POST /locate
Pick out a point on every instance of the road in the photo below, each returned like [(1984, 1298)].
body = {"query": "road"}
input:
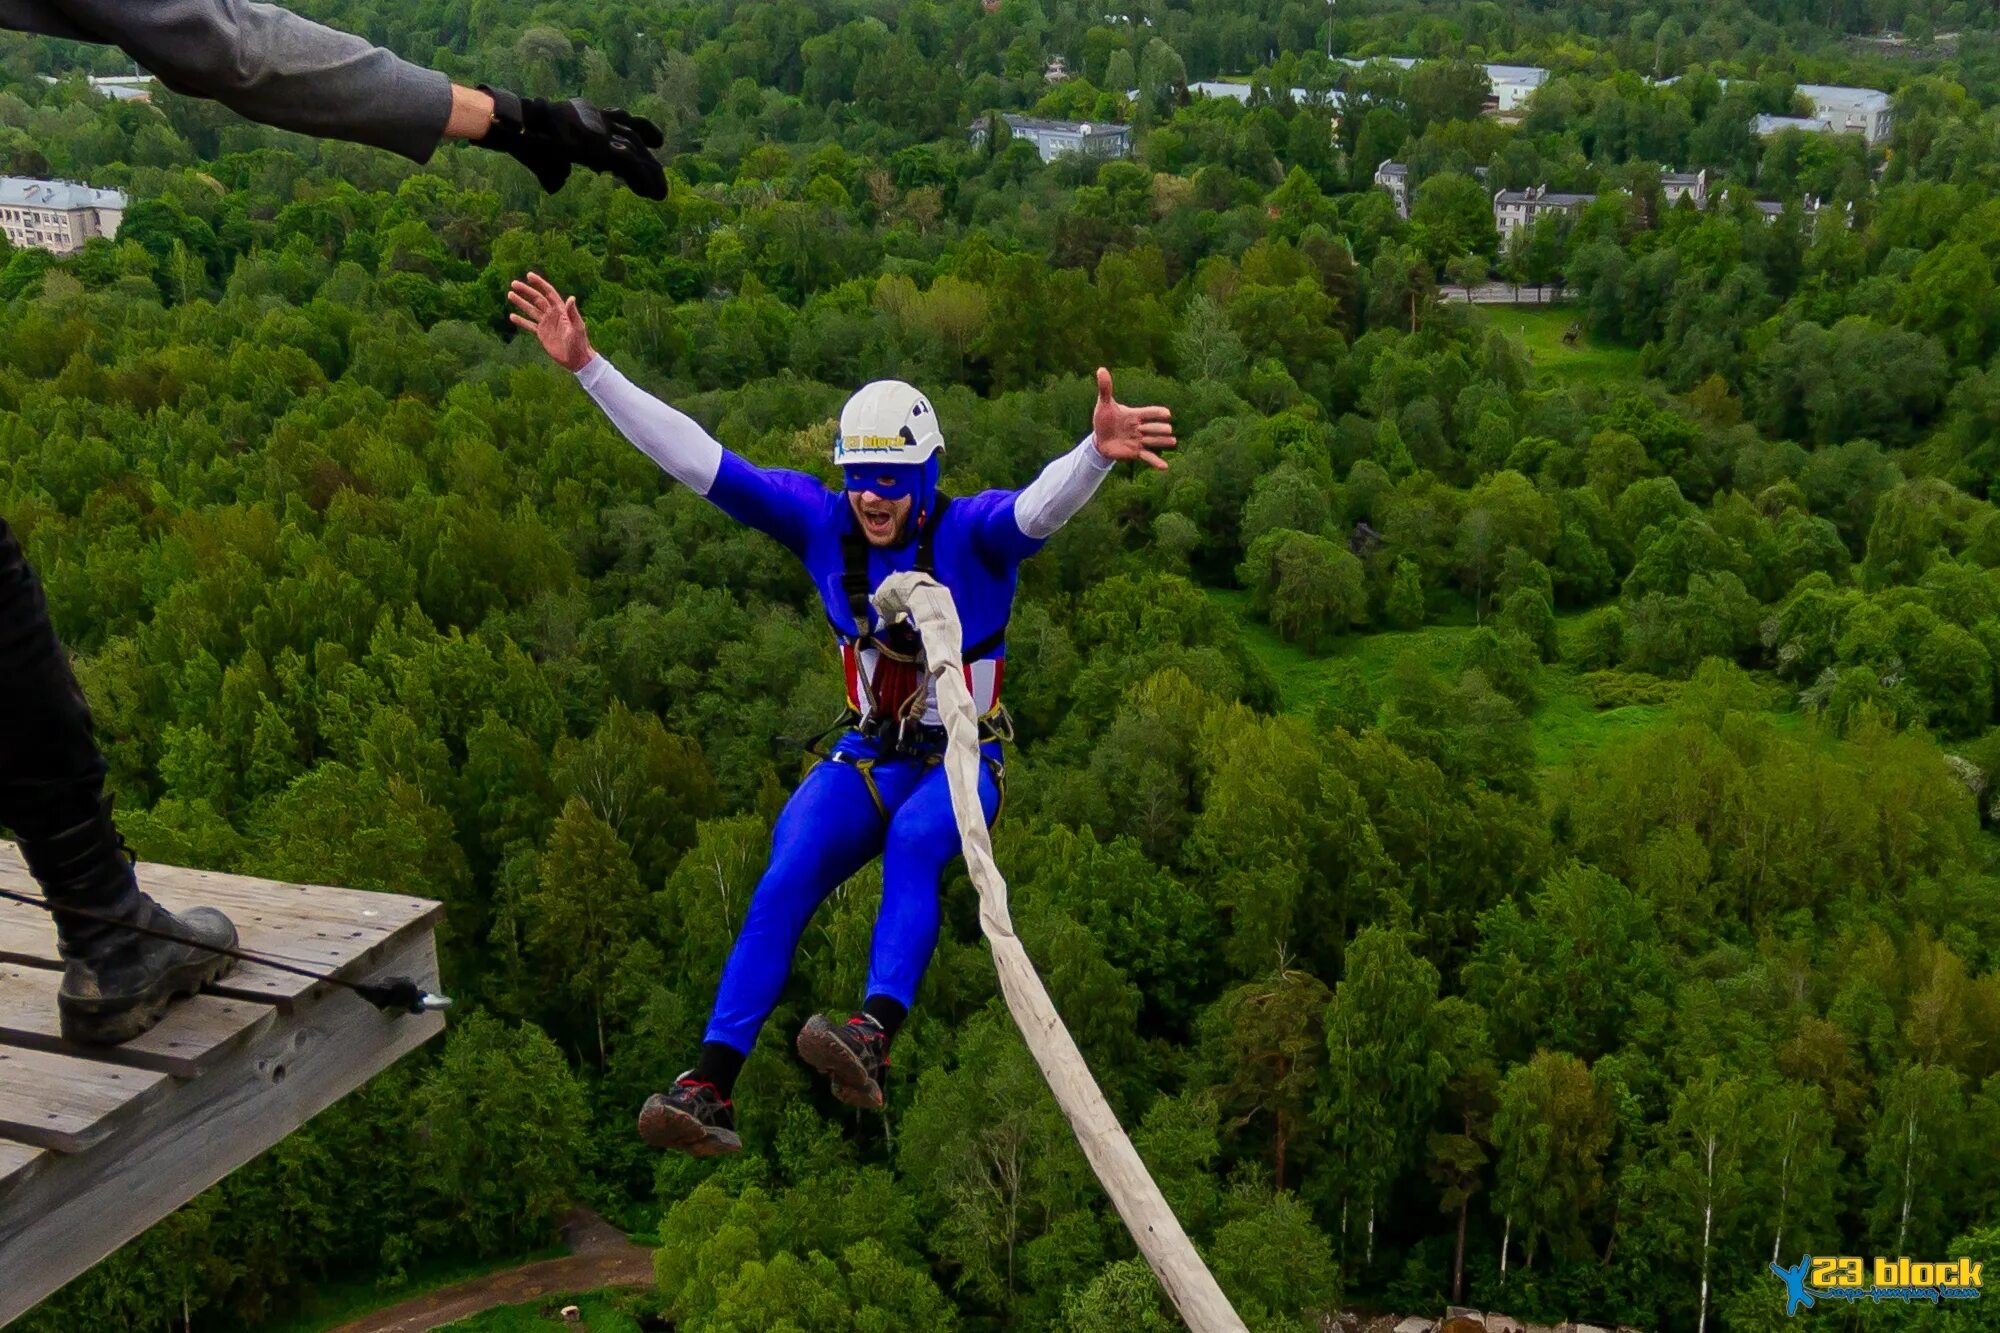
[(600, 1256)]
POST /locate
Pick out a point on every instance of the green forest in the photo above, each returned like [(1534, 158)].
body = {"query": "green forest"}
[(1508, 817)]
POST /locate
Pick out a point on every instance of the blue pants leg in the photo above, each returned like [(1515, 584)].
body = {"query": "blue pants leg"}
[(922, 840), (827, 831)]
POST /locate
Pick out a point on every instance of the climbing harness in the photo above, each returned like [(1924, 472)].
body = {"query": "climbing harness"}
[(391, 995), (854, 581), (865, 766), (894, 691)]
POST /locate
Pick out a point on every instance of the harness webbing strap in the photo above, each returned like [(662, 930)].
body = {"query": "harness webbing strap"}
[(854, 579), (895, 643), (984, 647), (856, 583)]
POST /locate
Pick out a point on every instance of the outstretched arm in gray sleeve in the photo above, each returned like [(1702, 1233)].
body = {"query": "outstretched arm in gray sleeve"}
[(265, 63)]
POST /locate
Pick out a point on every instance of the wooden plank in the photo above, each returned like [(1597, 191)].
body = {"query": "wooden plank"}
[(303, 934), (360, 908), (194, 1035), (65, 1104), (249, 896), (342, 957), (73, 1211), (16, 1161), (26, 936)]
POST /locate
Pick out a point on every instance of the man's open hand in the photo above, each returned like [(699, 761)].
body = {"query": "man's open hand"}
[(552, 318), (1125, 433)]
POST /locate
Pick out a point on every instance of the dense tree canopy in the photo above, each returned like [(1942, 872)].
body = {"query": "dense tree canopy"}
[(1491, 827)]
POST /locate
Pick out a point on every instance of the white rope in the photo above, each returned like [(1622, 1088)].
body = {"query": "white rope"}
[(1154, 1227)]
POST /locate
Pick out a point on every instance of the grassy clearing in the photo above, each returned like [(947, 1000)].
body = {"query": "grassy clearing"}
[(1540, 329), (603, 1312), (1303, 678), (1565, 724)]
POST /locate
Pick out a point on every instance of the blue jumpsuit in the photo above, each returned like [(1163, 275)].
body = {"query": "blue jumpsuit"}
[(832, 825)]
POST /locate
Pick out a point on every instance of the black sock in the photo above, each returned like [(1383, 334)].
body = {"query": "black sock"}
[(889, 1013), (719, 1064)]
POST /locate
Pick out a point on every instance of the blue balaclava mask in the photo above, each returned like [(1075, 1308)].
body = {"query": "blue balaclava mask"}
[(893, 481)]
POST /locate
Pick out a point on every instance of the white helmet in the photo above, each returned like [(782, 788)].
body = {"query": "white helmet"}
[(886, 422)]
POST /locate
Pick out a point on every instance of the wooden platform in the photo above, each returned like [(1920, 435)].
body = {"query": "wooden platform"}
[(97, 1145)]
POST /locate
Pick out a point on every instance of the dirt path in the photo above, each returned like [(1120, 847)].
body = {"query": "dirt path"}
[(599, 1256)]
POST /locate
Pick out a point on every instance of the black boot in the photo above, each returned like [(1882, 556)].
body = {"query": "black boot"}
[(852, 1054), (116, 983), (693, 1118)]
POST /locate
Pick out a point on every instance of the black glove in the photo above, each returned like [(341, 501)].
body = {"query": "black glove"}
[(548, 138)]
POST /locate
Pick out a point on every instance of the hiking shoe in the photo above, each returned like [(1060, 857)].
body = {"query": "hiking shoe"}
[(692, 1118), (118, 983), (852, 1054)]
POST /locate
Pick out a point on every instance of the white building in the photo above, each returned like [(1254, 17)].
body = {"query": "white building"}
[(1835, 110), (1515, 209), (1053, 138), (1513, 85), (117, 87), (1862, 111), (1766, 126), (1394, 177), (1868, 112), (1240, 92), (1235, 92), (1813, 210), (1678, 185), (58, 216)]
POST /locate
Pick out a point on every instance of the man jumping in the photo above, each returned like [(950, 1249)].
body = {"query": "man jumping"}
[(882, 792)]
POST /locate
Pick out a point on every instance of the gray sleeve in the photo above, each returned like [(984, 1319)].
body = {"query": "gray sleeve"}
[(1064, 487), (264, 63), (668, 436), (39, 16)]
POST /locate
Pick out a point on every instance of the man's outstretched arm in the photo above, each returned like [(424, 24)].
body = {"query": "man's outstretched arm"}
[(662, 432), (1061, 491), (769, 499), (272, 66), (1118, 433), (264, 63)]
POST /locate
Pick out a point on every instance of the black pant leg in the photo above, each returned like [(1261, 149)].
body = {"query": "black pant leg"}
[(51, 771)]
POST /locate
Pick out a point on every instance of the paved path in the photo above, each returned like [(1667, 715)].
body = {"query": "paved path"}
[(599, 1256)]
